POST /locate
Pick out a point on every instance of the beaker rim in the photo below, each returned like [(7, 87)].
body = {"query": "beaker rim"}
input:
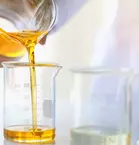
[(102, 70), (11, 64)]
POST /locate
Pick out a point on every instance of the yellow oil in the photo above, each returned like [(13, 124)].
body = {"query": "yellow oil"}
[(28, 41), (25, 134), (10, 47)]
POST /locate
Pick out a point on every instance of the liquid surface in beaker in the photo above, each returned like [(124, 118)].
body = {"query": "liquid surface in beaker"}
[(14, 44), (91, 135), (25, 134)]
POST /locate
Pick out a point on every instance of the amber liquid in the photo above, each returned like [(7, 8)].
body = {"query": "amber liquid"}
[(34, 133), (10, 47), (23, 135)]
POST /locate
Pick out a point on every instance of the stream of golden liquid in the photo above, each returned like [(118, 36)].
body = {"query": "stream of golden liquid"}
[(29, 40)]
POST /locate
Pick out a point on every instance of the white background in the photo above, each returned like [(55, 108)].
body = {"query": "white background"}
[(99, 32)]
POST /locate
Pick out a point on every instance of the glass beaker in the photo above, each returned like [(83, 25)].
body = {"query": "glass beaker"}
[(23, 22), (29, 118), (101, 105)]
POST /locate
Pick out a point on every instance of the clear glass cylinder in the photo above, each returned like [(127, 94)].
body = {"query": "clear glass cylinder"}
[(29, 116), (101, 103)]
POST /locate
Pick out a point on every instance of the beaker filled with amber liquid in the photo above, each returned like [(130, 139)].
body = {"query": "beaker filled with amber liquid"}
[(29, 118)]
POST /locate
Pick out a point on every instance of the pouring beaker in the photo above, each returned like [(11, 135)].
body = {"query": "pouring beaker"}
[(20, 108), (23, 21), (101, 105)]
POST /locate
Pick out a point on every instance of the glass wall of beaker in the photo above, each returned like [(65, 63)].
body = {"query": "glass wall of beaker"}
[(29, 102), (101, 105)]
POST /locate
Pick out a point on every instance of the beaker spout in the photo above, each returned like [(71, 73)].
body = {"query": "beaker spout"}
[(58, 70)]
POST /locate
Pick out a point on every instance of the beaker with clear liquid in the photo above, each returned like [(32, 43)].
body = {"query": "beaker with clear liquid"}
[(101, 103), (29, 118)]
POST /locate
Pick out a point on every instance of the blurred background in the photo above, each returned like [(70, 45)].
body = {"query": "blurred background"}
[(89, 33)]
